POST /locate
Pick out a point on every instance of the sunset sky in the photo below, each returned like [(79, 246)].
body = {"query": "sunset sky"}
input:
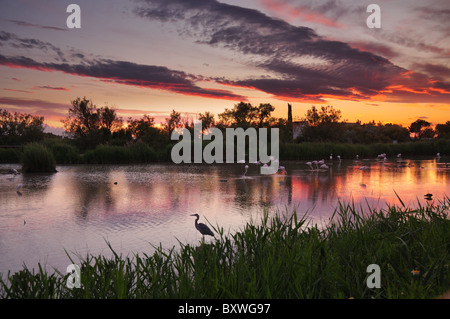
[(152, 56)]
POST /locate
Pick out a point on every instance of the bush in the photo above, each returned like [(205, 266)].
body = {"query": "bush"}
[(38, 158)]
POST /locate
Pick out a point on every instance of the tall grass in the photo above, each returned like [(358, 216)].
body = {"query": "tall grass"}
[(9, 155), (37, 158), (63, 151), (276, 257), (134, 153)]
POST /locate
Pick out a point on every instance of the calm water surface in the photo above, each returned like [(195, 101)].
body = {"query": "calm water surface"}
[(81, 208)]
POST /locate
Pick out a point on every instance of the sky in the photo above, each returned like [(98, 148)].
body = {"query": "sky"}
[(154, 56)]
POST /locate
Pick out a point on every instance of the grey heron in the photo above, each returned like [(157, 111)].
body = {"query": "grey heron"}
[(202, 228)]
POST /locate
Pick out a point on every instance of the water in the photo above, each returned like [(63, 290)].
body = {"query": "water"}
[(133, 207)]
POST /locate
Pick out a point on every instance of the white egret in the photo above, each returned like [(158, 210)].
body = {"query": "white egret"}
[(246, 169)]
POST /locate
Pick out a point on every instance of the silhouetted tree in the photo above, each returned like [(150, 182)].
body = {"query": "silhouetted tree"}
[(263, 112), (325, 115), (322, 124), (245, 115), (207, 119), (418, 126), (20, 128), (443, 130), (172, 122), (89, 125)]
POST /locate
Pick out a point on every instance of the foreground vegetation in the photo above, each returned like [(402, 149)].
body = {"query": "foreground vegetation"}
[(277, 257)]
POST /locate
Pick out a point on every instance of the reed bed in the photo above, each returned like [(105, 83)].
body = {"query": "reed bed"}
[(278, 256), (66, 153), (311, 150), (38, 158)]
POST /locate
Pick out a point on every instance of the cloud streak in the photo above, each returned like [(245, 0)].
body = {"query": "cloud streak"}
[(39, 26), (127, 73)]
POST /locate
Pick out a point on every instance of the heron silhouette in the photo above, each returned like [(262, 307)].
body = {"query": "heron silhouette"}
[(202, 228)]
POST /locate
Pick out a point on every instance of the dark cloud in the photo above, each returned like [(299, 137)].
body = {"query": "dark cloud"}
[(376, 48), (436, 71), (277, 48), (128, 73), (12, 40), (275, 45), (249, 31)]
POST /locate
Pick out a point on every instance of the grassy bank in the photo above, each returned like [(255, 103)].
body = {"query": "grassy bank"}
[(65, 153), (276, 257), (303, 151)]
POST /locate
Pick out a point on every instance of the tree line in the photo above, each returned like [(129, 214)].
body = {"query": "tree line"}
[(88, 126)]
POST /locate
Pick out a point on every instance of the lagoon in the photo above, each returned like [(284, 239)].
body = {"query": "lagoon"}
[(81, 208)]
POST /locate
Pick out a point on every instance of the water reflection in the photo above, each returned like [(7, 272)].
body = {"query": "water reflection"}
[(81, 207)]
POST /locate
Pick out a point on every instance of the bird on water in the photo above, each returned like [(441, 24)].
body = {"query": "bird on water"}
[(202, 228)]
